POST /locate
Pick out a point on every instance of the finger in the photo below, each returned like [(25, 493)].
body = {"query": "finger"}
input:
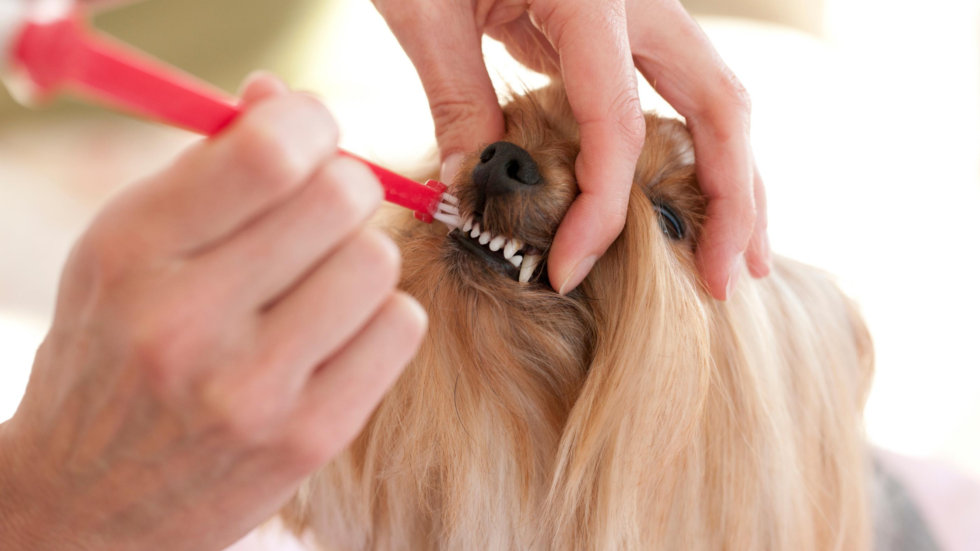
[(600, 80), (342, 394), (674, 54), (269, 256), (259, 86), (444, 44), (221, 184), (759, 256), (326, 309), (528, 45)]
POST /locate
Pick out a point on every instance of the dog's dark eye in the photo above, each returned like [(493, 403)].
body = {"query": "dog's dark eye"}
[(670, 223)]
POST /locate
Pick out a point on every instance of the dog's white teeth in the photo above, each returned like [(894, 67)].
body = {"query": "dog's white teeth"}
[(484, 237), (516, 260), (512, 246), (496, 243), (468, 225), (476, 230), (527, 268)]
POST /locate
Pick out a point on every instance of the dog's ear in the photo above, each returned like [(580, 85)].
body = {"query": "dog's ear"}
[(635, 420)]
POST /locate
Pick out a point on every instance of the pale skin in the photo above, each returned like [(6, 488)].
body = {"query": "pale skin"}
[(595, 45), (222, 329), (226, 326)]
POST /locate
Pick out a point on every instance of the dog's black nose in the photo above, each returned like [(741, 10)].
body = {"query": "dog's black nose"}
[(505, 168)]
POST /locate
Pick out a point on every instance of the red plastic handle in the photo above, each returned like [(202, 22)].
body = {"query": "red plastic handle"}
[(64, 54), (423, 199)]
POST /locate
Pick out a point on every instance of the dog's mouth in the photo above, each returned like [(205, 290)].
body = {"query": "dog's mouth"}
[(508, 255)]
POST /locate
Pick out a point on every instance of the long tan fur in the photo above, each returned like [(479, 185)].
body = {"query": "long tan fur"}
[(634, 414)]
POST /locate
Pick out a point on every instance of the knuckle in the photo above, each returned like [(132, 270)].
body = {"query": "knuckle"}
[(379, 254), (322, 126), (629, 116), (245, 415), (457, 109), (547, 15), (735, 93), (260, 153), (451, 111), (170, 341), (280, 147), (160, 352), (347, 194)]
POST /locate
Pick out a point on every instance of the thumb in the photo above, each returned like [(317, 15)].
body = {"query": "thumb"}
[(444, 42)]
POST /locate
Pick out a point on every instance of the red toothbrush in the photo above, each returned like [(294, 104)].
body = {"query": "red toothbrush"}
[(50, 49)]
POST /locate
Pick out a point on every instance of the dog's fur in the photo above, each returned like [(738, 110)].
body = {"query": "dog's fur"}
[(634, 413)]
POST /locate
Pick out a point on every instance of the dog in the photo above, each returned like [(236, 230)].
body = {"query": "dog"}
[(635, 412)]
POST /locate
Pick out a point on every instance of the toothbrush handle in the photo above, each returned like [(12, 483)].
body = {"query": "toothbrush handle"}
[(422, 198), (64, 54)]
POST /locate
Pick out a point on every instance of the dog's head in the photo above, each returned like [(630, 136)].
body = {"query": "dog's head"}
[(634, 413), (514, 193), (486, 284)]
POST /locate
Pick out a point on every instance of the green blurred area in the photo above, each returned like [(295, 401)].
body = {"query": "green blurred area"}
[(221, 41)]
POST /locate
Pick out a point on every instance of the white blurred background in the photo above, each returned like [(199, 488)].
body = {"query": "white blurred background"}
[(866, 127)]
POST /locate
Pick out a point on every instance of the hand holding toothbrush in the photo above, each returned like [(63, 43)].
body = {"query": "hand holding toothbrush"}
[(222, 329), (47, 48)]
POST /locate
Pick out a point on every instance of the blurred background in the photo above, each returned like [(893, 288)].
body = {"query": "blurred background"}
[(866, 126)]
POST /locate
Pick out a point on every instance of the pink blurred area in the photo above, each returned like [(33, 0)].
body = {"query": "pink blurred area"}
[(948, 499)]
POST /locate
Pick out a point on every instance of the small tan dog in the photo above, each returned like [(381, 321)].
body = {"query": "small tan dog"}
[(636, 413)]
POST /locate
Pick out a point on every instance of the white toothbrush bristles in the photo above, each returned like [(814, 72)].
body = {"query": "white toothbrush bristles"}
[(448, 211)]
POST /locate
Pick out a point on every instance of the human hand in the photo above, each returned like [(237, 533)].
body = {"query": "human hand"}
[(222, 330), (593, 45)]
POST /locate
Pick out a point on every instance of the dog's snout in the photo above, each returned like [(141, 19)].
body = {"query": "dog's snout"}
[(505, 168)]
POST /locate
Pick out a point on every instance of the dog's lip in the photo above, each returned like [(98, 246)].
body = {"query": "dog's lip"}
[(497, 262)]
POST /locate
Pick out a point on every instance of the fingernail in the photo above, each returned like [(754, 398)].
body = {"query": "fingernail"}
[(450, 167), (733, 274), (578, 274)]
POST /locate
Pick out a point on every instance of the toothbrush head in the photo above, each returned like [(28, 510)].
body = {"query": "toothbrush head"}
[(448, 211), (438, 205)]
